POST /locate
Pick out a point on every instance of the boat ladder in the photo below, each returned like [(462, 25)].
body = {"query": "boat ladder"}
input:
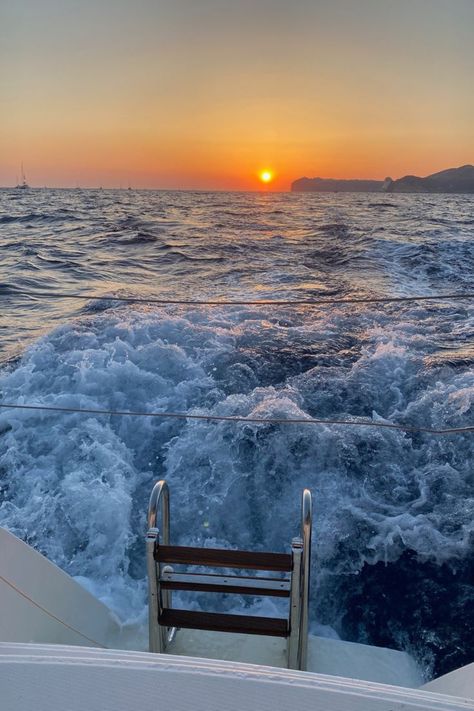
[(164, 620)]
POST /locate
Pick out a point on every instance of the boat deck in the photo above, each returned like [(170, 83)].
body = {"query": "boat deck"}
[(52, 678)]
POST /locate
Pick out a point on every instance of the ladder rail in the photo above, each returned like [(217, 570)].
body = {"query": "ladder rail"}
[(293, 643), (158, 520), (306, 531), (160, 501), (297, 649)]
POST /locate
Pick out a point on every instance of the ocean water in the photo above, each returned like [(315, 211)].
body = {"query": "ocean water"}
[(393, 522)]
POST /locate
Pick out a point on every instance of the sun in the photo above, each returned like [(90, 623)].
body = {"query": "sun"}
[(266, 176)]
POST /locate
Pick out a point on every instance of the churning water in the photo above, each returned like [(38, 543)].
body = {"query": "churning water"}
[(394, 512)]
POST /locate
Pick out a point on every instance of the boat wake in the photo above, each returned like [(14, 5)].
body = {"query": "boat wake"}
[(392, 561)]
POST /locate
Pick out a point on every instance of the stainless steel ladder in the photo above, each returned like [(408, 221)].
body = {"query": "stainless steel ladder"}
[(164, 620)]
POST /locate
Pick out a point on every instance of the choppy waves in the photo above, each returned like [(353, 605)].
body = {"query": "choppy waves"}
[(393, 512)]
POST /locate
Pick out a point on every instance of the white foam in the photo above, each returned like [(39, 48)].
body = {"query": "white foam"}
[(76, 486)]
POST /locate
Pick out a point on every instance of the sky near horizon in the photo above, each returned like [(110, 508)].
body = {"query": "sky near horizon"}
[(206, 93)]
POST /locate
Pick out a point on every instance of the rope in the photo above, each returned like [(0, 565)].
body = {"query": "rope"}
[(233, 418), (50, 614), (238, 418), (258, 302)]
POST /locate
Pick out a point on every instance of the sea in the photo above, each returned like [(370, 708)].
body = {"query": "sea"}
[(393, 531)]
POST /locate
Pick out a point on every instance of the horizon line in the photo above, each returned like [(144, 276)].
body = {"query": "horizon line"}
[(263, 189)]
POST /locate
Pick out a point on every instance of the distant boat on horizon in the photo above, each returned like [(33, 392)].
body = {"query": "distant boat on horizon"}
[(22, 185)]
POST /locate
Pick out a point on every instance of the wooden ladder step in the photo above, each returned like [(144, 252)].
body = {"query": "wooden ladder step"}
[(223, 558), (218, 622)]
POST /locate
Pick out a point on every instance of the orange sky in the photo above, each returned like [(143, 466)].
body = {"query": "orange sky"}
[(205, 93)]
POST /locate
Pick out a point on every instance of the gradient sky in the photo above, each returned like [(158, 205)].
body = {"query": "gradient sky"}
[(204, 93)]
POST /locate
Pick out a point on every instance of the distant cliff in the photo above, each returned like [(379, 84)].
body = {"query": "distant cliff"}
[(329, 185), (454, 180)]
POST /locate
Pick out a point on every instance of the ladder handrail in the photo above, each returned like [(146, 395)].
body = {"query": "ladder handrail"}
[(306, 530), (157, 600), (160, 497)]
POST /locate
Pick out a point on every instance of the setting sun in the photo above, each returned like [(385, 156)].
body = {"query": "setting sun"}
[(266, 176)]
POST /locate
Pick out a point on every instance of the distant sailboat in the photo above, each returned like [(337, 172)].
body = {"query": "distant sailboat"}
[(22, 185)]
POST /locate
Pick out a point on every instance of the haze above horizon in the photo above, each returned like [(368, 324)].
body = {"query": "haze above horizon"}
[(212, 94)]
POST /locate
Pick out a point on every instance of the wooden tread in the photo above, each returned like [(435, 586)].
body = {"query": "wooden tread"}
[(223, 558), (218, 622)]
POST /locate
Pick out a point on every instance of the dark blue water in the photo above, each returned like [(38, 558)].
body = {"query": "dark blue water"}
[(393, 512)]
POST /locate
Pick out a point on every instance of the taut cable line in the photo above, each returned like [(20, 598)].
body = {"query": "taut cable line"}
[(239, 418), (255, 302)]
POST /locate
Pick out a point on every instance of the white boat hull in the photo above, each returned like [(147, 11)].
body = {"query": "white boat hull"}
[(62, 648)]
